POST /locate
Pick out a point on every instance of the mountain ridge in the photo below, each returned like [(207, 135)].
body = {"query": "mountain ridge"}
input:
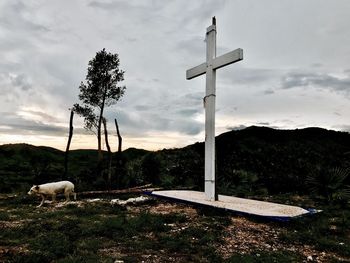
[(257, 157), (248, 130)]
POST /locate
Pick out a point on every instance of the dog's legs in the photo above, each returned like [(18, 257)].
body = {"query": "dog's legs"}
[(74, 194), (54, 198), (42, 201), (67, 196)]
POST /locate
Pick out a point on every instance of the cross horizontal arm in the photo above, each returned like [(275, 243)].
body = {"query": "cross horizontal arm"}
[(228, 58), (218, 62), (196, 71)]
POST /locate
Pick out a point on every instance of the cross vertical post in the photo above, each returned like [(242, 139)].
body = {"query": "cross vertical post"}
[(209, 102), (209, 68)]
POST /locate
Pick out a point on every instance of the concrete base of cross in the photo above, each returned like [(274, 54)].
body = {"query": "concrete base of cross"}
[(237, 205)]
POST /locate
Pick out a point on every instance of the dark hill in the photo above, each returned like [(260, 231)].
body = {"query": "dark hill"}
[(279, 159), (253, 159), (22, 165)]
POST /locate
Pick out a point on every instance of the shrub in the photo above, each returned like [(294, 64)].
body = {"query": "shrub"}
[(29, 258), (330, 184), (238, 182), (4, 216), (51, 245)]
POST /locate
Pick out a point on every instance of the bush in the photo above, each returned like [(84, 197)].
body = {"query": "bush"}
[(29, 258), (330, 184), (147, 222), (4, 216), (238, 182), (51, 245)]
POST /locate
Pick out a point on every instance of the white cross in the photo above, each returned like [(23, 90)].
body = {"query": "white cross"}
[(209, 68)]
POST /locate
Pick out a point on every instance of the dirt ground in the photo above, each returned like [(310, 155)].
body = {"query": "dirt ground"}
[(245, 236), (242, 235)]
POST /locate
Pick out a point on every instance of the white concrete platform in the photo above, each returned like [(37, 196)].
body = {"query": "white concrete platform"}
[(244, 206)]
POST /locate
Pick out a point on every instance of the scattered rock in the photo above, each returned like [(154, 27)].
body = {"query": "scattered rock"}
[(94, 200), (136, 200)]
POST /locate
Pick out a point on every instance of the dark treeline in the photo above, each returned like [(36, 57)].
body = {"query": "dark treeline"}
[(253, 161)]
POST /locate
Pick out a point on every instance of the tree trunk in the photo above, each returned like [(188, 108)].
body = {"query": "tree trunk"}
[(99, 143), (109, 155), (65, 175), (118, 155), (99, 140), (119, 136)]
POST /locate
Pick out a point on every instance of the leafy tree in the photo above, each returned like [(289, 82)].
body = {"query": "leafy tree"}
[(99, 91)]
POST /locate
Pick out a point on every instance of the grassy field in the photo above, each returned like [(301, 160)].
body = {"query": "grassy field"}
[(159, 231)]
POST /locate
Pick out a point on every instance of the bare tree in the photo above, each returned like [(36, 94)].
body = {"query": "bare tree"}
[(100, 91), (119, 136), (109, 180), (65, 175)]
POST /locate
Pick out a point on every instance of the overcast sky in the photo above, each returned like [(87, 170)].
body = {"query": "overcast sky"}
[(295, 72)]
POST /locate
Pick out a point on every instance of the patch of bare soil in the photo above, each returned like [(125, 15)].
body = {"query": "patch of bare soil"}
[(245, 237), (12, 250), (147, 256), (168, 208), (11, 224), (164, 208), (242, 236)]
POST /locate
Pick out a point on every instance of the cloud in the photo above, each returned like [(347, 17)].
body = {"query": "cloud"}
[(237, 128), (192, 47), (169, 114), (21, 81), (142, 107), (17, 16), (263, 123), (30, 122), (317, 65), (187, 112), (15, 89), (144, 122), (36, 115), (343, 127), (37, 128), (46, 47), (145, 11), (108, 6), (188, 101), (269, 92), (248, 76), (314, 80), (161, 113), (19, 125)]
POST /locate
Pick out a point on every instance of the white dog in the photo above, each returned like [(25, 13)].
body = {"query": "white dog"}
[(53, 189)]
